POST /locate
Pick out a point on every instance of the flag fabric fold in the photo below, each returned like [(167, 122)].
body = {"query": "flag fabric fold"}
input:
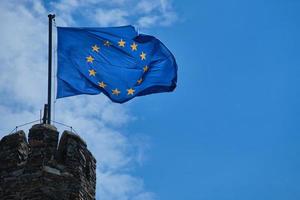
[(116, 61)]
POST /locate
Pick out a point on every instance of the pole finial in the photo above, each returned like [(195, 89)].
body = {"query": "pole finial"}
[(51, 16)]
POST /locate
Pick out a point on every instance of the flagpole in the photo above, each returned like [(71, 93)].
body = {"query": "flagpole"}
[(51, 17)]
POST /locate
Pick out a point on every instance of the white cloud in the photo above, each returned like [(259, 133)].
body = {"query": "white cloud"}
[(143, 13), (155, 12), (113, 17), (38, 7), (124, 186), (23, 63), (113, 114), (148, 21), (23, 83), (145, 6)]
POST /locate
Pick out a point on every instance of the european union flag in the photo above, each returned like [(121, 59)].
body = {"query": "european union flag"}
[(116, 61)]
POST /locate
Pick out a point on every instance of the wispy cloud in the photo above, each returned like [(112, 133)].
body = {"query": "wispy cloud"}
[(156, 12), (108, 17), (23, 83), (142, 13)]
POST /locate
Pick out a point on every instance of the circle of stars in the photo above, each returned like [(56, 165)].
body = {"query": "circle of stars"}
[(121, 44)]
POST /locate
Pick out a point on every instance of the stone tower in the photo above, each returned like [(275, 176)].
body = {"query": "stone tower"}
[(44, 168)]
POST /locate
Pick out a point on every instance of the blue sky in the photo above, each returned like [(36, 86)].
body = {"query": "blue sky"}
[(230, 130)]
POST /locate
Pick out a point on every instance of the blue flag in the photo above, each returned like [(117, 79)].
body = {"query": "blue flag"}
[(116, 61)]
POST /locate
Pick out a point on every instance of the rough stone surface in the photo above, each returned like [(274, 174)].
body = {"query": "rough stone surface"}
[(42, 169)]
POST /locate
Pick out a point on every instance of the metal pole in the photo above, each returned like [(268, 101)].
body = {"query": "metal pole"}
[(45, 121), (51, 17)]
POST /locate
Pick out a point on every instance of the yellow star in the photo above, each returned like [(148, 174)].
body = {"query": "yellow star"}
[(145, 68), (89, 59), (95, 48), (143, 56), (130, 91), (107, 43), (102, 84), (121, 43), (92, 72), (116, 91), (134, 46), (139, 81)]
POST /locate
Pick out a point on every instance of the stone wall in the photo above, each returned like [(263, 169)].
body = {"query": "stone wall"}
[(42, 169)]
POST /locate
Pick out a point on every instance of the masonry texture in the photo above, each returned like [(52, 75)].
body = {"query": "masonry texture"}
[(45, 168)]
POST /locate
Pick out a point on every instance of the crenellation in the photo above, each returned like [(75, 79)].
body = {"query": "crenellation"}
[(46, 168), (43, 141), (14, 151)]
